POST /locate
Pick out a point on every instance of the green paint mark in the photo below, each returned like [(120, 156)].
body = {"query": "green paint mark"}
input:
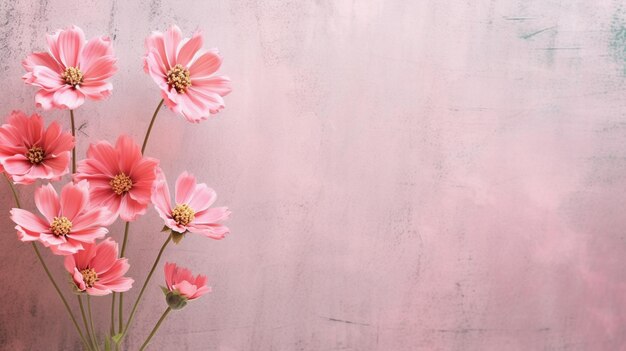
[(518, 18), (528, 36), (617, 44), (553, 49)]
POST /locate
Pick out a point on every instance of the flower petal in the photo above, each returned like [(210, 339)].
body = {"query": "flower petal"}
[(28, 222), (172, 38), (41, 59), (205, 65), (185, 186), (74, 199), (128, 153), (70, 43), (220, 85), (47, 202), (105, 257), (68, 98), (189, 48), (202, 198), (94, 49)]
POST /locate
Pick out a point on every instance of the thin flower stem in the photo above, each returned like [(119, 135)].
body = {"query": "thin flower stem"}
[(74, 148), (113, 313), (56, 287), (145, 140), (156, 327), (143, 288), (15, 197), (45, 267), (125, 239), (82, 312), (120, 314), (93, 330)]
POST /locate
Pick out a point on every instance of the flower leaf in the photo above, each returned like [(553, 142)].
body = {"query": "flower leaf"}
[(177, 237), (116, 338)]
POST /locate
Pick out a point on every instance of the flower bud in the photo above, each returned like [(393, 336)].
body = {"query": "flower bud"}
[(175, 301)]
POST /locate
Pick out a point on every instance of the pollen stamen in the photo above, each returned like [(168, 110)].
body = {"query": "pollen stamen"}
[(35, 155), (179, 79), (72, 76), (121, 183), (90, 277), (60, 226), (183, 214)]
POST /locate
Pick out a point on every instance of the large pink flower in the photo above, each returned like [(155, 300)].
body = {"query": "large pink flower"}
[(120, 177), (192, 211), (185, 74), (71, 69), (68, 222), (29, 151), (97, 270), (181, 281)]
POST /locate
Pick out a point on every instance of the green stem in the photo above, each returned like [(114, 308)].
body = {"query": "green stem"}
[(82, 312), (143, 288), (120, 314), (156, 327), (93, 330), (45, 267), (74, 148), (15, 197), (56, 287), (145, 139), (125, 239), (113, 314)]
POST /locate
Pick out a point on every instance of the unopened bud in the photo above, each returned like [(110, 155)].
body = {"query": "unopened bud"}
[(175, 301)]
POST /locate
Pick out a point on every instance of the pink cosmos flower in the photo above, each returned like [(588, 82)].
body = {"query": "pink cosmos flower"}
[(68, 222), (97, 270), (29, 151), (185, 74), (192, 211), (71, 69), (180, 281), (120, 178)]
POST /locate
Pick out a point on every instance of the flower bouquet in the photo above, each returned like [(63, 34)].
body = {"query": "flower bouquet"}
[(114, 180)]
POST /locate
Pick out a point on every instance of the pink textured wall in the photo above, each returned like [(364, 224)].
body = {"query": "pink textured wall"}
[(404, 175)]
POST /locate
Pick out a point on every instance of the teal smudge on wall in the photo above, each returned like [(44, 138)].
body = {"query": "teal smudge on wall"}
[(530, 35), (617, 44)]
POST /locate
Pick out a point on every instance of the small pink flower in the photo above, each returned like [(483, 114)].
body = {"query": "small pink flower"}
[(69, 221), (192, 211), (181, 281), (97, 270), (185, 74), (120, 178), (71, 69), (29, 151)]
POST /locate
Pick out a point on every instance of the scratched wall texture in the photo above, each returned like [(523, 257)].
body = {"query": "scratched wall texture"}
[(404, 175)]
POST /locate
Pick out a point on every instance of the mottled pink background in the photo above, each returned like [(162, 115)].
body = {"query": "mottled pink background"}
[(404, 175)]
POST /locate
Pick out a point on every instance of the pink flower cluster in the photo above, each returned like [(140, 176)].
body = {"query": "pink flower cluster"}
[(113, 180)]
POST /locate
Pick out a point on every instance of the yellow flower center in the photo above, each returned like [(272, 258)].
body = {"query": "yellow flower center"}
[(72, 76), (121, 183), (178, 78), (90, 277), (35, 155), (61, 226), (183, 214)]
